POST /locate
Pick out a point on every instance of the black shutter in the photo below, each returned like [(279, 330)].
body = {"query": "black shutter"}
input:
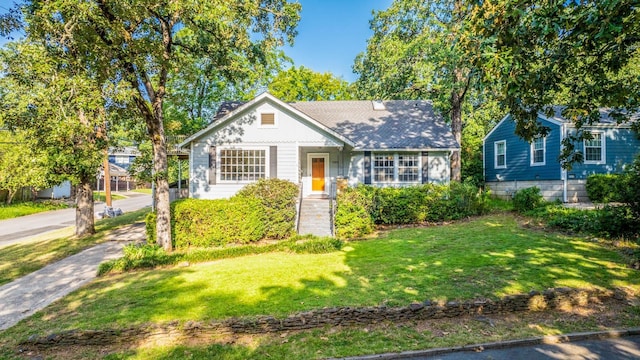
[(212, 165), (367, 167), (425, 167), (273, 162)]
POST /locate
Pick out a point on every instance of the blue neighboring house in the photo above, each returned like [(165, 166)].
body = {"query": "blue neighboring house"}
[(511, 163)]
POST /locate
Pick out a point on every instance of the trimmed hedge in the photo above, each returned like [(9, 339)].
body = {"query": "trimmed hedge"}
[(217, 222), (278, 197), (361, 207), (603, 188)]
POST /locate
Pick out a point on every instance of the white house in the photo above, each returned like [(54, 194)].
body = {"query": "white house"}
[(383, 143)]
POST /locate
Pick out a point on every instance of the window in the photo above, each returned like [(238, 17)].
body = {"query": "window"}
[(268, 119), (500, 148), (242, 165), (537, 151), (383, 168), (408, 168), (396, 168), (593, 149)]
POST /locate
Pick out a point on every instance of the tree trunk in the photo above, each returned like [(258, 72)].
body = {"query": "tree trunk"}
[(456, 128), (85, 221), (163, 214), (10, 195)]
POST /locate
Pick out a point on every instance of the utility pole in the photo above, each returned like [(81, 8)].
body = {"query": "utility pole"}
[(107, 180)]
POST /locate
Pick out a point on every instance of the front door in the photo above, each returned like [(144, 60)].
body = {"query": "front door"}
[(317, 174)]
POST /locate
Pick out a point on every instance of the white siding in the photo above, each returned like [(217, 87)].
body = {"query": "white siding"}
[(439, 167), (355, 174)]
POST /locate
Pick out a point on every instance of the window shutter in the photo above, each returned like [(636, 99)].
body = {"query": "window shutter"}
[(425, 167), (367, 167), (273, 162), (212, 165), (267, 119)]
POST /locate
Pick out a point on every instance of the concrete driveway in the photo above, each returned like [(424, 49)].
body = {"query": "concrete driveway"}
[(21, 229)]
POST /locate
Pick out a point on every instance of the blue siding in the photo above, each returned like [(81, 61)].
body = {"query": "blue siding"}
[(621, 146), (518, 155)]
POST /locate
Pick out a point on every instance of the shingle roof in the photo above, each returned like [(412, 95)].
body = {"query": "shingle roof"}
[(403, 124), (606, 116)]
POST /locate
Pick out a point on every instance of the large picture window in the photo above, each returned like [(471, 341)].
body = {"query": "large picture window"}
[(242, 165), (500, 148), (383, 168), (404, 168), (593, 149), (537, 151)]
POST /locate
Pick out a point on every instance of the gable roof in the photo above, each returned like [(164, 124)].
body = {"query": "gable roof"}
[(400, 124)]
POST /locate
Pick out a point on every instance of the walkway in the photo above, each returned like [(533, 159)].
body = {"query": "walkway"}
[(315, 217), (23, 297)]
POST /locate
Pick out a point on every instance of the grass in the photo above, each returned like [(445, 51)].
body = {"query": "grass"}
[(21, 259), (142, 191), (27, 208), (100, 196), (488, 257)]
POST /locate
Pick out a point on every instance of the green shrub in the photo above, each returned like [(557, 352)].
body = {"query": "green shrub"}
[(630, 188), (217, 222), (352, 221), (603, 187), (278, 197), (527, 199), (150, 227)]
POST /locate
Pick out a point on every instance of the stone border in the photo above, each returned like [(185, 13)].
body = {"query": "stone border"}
[(341, 316)]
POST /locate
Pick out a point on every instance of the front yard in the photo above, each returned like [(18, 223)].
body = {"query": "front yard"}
[(488, 257)]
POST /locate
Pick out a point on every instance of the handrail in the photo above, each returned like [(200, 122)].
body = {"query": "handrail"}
[(299, 207), (333, 198)]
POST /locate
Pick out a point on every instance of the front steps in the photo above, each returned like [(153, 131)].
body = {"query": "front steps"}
[(315, 217)]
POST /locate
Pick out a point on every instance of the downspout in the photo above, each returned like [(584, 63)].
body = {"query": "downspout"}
[(563, 172)]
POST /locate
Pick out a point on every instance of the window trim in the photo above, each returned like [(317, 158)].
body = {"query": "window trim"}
[(396, 167), (495, 154), (544, 152), (603, 153), (269, 126), (219, 151)]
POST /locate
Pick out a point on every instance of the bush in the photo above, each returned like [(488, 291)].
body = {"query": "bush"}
[(217, 222), (527, 199), (278, 197), (603, 187), (361, 207), (150, 227), (630, 188)]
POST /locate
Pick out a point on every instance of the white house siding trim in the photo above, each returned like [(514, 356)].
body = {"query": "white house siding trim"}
[(439, 167)]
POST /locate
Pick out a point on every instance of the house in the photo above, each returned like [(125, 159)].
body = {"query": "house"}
[(383, 143), (510, 163), (123, 157)]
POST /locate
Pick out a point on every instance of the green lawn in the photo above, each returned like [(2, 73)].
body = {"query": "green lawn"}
[(100, 196), (26, 208), (487, 257), (142, 191), (21, 259)]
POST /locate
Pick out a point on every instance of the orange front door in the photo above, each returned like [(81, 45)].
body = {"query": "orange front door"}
[(317, 174)]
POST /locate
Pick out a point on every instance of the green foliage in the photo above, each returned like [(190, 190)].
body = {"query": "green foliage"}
[(603, 188), (527, 199), (302, 84), (21, 166), (361, 207), (217, 222), (278, 197), (26, 208), (533, 51), (151, 255), (630, 187), (150, 227)]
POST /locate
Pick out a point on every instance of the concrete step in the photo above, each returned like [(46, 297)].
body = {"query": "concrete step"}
[(315, 217)]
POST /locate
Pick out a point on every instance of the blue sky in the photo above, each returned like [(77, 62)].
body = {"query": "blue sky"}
[(330, 33)]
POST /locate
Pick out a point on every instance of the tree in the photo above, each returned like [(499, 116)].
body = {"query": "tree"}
[(137, 42), (60, 115), (20, 165), (302, 84), (582, 55), (414, 53)]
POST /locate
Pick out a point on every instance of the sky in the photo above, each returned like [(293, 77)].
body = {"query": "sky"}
[(330, 34)]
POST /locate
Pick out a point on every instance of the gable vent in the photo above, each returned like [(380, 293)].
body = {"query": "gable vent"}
[(378, 105)]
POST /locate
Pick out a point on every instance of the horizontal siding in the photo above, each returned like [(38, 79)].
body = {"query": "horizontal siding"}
[(439, 167), (288, 162), (518, 154), (621, 147)]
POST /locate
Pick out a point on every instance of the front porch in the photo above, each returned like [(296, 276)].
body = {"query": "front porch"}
[(320, 167)]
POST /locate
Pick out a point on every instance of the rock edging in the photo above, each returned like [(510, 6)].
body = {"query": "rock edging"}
[(339, 316)]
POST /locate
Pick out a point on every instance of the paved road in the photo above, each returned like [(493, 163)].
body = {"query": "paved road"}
[(23, 297), (610, 349), (21, 229)]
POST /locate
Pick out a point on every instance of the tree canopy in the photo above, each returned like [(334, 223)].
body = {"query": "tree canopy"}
[(142, 42), (303, 84)]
